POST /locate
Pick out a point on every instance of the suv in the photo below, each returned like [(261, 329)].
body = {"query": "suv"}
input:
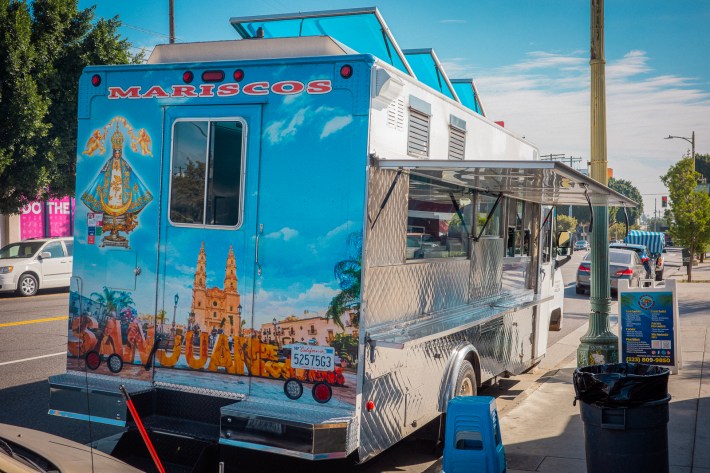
[(581, 245), (27, 265), (643, 253)]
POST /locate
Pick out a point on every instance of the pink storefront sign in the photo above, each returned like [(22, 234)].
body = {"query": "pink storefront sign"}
[(51, 218)]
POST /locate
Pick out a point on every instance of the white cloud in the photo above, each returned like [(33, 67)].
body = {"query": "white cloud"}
[(279, 130), (546, 99), (336, 124), (291, 302), (285, 234)]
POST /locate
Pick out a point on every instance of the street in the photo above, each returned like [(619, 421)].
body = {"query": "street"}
[(33, 337)]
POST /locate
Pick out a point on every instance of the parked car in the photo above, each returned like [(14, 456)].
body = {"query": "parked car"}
[(642, 252), (29, 265), (581, 245), (29, 451), (623, 264)]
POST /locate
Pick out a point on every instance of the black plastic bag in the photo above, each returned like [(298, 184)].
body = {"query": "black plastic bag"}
[(620, 384)]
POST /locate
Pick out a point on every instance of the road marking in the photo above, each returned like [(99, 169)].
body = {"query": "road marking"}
[(34, 321), (33, 358)]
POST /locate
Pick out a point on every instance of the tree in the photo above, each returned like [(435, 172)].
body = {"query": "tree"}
[(690, 209), (626, 188), (348, 274), (44, 46), (566, 224)]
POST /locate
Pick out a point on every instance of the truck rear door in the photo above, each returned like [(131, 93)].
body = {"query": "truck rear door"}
[(207, 248)]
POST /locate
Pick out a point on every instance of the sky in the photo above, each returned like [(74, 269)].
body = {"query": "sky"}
[(530, 62)]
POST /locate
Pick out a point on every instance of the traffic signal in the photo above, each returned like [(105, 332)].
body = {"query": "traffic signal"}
[(664, 201)]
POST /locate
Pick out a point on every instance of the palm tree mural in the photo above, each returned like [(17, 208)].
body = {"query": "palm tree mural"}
[(348, 274), (108, 299)]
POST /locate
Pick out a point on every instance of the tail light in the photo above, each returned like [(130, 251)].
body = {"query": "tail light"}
[(584, 269), (644, 260), (322, 392), (625, 272)]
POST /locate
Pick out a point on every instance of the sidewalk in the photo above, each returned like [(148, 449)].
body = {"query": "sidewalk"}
[(544, 431)]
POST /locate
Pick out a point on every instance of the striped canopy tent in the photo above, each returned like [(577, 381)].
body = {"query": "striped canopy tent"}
[(654, 241)]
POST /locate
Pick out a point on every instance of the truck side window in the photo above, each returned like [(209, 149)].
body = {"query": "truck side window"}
[(206, 172), (485, 204), (439, 220)]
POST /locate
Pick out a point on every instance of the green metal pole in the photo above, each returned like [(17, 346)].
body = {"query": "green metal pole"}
[(599, 345)]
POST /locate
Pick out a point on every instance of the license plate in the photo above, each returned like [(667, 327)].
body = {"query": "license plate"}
[(265, 426), (313, 357)]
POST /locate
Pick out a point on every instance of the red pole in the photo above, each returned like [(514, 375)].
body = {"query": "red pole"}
[(141, 429)]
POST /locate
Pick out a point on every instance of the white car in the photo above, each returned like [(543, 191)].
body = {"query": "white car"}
[(29, 265)]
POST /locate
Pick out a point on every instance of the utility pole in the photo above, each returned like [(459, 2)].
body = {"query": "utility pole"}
[(599, 345), (171, 19)]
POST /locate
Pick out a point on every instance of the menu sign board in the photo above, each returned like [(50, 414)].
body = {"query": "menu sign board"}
[(648, 325)]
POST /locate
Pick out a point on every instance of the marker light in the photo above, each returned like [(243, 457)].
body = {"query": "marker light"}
[(322, 392), (96, 80), (293, 389), (370, 405), (583, 269), (625, 272), (346, 71), (187, 76), (238, 75), (213, 76), (114, 363), (93, 360)]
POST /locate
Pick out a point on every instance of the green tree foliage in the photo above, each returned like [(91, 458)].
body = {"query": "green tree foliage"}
[(626, 188), (348, 273), (566, 223), (689, 215), (44, 46)]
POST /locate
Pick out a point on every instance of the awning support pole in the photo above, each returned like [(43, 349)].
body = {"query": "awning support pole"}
[(599, 345), (488, 219)]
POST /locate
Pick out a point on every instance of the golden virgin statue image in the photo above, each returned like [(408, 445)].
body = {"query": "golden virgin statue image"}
[(117, 192)]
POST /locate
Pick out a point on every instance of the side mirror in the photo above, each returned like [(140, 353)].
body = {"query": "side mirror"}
[(45, 255)]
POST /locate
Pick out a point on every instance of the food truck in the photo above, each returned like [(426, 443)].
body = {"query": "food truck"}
[(304, 241)]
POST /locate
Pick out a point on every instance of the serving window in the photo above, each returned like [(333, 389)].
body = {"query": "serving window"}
[(439, 220), (518, 217), (207, 172)]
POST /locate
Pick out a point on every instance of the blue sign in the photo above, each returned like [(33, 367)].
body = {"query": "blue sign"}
[(647, 327)]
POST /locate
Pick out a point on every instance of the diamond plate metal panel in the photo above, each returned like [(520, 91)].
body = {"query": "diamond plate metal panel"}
[(486, 268), (386, 241), (405, 382), (404, 292)]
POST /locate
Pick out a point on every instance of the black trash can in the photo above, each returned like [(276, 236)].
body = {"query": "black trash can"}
[(624, 407)]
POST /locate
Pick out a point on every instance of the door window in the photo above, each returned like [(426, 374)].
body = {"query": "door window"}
[(55, 248), (207, 173)]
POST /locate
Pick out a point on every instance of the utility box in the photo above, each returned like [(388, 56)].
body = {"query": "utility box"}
[(472, 443)]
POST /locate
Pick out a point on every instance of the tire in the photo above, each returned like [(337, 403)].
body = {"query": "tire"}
[(579, 289), (27, 285), (466, 380)]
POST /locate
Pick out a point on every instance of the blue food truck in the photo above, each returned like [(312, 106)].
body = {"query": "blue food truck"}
[(304, 241)]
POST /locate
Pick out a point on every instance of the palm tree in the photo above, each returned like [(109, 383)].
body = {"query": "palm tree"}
[(348, 274), (124, 299), (108, 299)]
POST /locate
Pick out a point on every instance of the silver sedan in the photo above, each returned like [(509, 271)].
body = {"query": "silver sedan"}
[(623, 264)]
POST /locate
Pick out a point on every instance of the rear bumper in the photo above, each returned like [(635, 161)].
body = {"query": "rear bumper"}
[(310, 432), (313, 432)]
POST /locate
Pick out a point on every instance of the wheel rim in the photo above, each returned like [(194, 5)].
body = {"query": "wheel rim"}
[(466, 388), (28, 286)]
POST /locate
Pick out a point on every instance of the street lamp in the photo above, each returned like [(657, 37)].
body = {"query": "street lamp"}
[(276, 330), (177, 298), (690, 140)]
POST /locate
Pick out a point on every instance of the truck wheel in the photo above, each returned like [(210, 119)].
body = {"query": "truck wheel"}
[(579, 289), (27, 285), (466, 381)]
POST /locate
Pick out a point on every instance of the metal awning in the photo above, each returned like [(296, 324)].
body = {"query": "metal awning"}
[(544, 182)]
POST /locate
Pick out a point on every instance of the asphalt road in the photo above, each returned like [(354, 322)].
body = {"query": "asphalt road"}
[(33, 339)]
